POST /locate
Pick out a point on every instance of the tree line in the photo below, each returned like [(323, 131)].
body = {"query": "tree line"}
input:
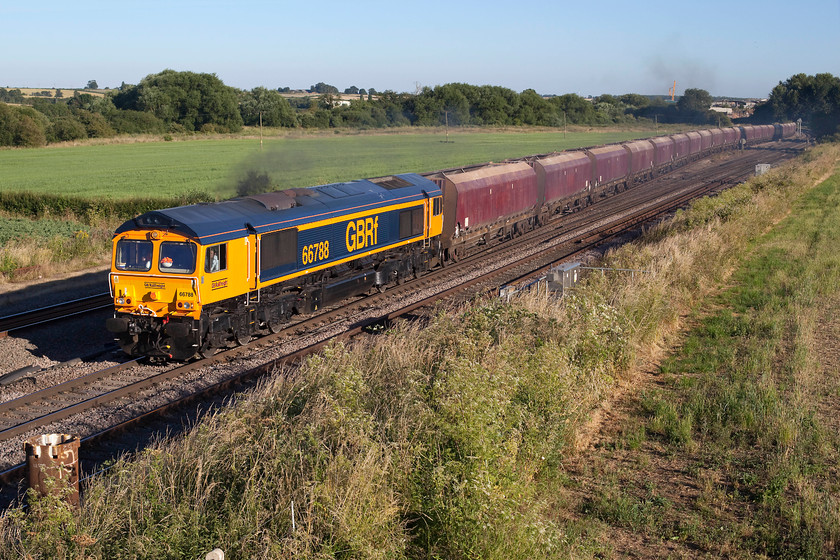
[(173, 102), (813, 99)]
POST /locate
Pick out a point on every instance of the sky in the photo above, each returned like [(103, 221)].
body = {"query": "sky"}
[(729, 48)]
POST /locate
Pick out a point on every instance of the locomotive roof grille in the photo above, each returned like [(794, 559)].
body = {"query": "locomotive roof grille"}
[(153, 220), (391, 182)]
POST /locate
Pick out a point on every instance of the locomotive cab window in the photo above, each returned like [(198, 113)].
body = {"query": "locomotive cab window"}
[(436, 206), (133, 254), (411, 222), (177, 257), (215, 258)]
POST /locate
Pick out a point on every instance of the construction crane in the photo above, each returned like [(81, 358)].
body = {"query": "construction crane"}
[(673, 91)]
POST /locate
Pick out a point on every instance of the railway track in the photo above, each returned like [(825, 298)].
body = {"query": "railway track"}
[(54, 312), (511, 262)]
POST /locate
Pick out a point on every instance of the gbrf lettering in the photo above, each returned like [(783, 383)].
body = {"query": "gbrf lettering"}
[(362, 233)]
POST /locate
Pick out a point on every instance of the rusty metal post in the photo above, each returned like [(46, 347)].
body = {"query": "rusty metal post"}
[(54, 456)]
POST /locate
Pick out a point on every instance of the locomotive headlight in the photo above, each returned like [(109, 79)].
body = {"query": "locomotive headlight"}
[(121, 301)]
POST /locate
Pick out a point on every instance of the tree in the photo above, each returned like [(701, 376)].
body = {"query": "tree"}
[(188, 99), (694, 101), (814, 99), (607, 98), (536, 110), (64, 129), (577, 109), (275, 109), (321, 87), (11, 95), (327, 100), (92, 85), (352, 90), (634, 100), (22, 126)]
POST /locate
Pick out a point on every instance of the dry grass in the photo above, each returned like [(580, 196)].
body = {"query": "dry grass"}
[(36, 257)]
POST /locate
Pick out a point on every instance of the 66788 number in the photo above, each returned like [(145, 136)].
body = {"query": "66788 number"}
[(315, 252)]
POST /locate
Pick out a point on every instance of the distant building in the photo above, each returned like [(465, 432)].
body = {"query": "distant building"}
[(724, 110)]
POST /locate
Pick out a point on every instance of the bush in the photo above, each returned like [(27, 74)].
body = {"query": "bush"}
[(135, 122), (96, 126), (22, 126), (44, 205), (63, 129)]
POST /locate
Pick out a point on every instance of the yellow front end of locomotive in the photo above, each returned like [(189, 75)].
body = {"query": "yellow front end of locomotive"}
[(153, 274)]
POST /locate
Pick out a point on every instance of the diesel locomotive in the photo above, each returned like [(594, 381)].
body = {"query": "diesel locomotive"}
[(189, 280)]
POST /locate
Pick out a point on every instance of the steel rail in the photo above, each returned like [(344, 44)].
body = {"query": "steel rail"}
[(54, 312)]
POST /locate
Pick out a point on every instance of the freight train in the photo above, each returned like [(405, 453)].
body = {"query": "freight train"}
[(189, 280)]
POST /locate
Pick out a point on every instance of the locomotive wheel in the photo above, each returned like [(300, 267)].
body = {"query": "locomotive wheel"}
[(206, 351), (241, 339), (274, 325)]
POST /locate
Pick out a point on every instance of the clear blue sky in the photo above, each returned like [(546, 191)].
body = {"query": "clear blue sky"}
[(732, 48)]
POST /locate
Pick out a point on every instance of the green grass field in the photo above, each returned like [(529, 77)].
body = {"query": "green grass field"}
[(215, 165)]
